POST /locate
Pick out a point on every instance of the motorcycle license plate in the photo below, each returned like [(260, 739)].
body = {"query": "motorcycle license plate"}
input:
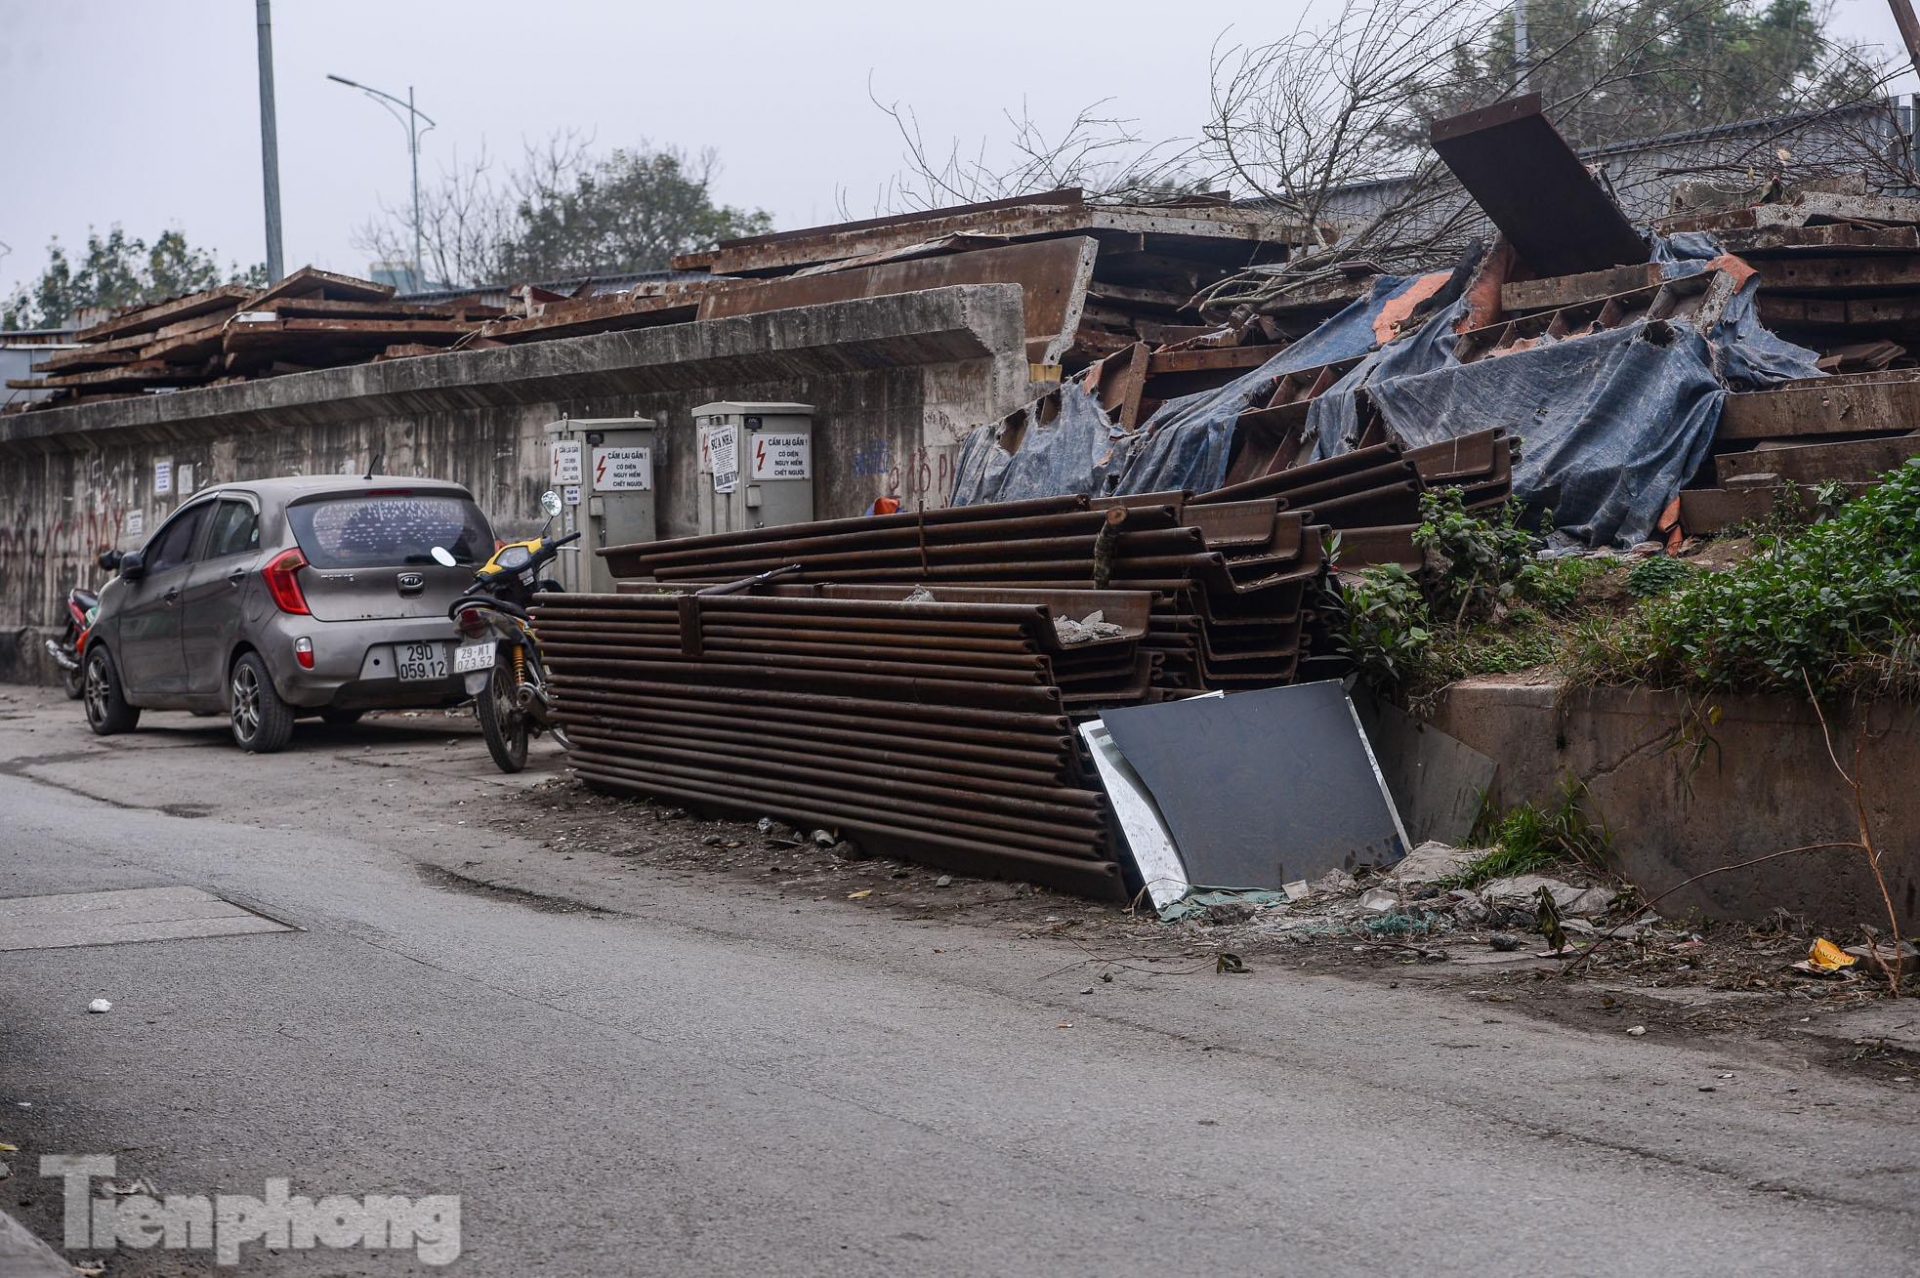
[(473, 656), (414, 662)]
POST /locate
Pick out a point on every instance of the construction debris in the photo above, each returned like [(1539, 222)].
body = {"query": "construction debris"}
[(1096, 279), (311, 319)]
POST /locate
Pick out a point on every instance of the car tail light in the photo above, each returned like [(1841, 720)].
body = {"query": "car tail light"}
[(283, 585), (471, 623), (303, 651)]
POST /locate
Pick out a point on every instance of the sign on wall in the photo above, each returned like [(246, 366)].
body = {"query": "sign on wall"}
[(622, 470), (564, 467), (782, 456), (163, 477)]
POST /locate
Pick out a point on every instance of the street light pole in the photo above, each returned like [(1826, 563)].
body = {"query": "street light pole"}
[(269, 139), (411, 123)]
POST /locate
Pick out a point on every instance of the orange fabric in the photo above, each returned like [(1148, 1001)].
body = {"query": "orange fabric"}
[(1734, 266), (1669, 526), (1395, 312), (886, 506)]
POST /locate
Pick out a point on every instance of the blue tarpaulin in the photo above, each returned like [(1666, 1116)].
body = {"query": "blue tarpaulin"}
[(1185, 444), (1611, 424)]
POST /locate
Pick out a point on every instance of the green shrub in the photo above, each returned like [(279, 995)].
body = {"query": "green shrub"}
[(1383, 626), (1819, 607), (1526, 839), (1555, 584), (1656, 576), (1473, 561)]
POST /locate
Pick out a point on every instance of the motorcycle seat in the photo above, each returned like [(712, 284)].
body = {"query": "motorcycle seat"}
[(85, 598)]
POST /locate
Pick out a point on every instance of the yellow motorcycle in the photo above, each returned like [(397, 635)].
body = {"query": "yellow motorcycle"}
[(500, 655)]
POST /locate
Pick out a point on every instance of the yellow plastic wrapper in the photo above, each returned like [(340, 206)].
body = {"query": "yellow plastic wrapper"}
[(1825, 956)]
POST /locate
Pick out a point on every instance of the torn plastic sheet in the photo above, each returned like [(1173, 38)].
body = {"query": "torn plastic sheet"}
[(1185, 444), (1611, 423)]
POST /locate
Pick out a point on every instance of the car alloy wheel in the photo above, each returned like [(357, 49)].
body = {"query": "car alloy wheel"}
[(246, 702), (98, 690)]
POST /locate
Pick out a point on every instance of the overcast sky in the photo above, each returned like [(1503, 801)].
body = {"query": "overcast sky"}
[(146, 114)]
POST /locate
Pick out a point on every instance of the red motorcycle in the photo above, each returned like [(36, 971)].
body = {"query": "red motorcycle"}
[(69, 652)]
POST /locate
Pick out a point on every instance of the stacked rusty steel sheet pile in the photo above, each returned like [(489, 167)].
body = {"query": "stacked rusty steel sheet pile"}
[(1230, 584), (934, 730), (912, 679)]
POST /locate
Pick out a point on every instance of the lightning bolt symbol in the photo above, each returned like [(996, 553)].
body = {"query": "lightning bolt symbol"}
[(600, 470), (760, 454)]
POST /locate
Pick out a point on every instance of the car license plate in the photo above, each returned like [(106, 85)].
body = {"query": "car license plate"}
[(470, 657), (419, 661)]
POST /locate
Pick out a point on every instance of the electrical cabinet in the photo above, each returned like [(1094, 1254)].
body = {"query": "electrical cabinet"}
[(603, 470), (756, 465)]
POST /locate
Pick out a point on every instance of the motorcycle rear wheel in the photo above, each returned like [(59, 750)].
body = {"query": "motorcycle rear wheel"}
[(75, 682), (502, 722)]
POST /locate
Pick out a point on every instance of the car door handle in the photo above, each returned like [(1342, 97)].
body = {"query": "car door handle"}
[(172, 595), (237, 576)]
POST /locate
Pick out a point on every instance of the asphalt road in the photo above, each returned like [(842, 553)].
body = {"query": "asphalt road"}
[(708, 1078)]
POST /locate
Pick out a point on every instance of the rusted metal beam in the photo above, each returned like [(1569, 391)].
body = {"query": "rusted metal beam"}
[(146, 318), (1210, 358), (1847, 404), (1852, 273), (1571, 290), (1521, 171), (1856, 460), (1188, 230), (1053, 276)]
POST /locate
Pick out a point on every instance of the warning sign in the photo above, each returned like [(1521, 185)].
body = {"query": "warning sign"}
[(723, 457), (622, 469), (782, 456), (565, 461)]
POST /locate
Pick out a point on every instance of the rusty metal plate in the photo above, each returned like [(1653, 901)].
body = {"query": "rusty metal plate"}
[(1521, 171)]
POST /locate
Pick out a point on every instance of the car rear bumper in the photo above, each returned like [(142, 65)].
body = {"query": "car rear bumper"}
[(355, 665)]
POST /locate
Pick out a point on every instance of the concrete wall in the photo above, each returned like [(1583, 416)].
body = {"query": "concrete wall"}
[(1761, 781), (896, 382)]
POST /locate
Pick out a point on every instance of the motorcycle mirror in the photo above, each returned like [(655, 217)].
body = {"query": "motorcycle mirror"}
[(442, 556), (110, 560), (550, 502)]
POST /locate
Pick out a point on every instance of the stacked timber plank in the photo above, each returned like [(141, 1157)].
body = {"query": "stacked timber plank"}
[(311, 319), (930, 730)]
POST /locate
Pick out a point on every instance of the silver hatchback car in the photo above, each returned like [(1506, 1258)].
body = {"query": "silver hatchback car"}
[(285, 597)]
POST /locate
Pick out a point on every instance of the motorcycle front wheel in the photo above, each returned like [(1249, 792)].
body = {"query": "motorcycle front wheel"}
[(502, 722)]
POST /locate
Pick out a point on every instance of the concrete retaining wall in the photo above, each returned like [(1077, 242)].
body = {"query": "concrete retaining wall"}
[(1760, 781), (896, 381)]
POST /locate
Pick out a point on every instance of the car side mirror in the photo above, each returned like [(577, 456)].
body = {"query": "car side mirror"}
[(110, 560), (133, 565)]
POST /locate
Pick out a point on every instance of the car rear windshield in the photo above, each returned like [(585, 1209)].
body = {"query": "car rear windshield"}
[(377, 530)]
